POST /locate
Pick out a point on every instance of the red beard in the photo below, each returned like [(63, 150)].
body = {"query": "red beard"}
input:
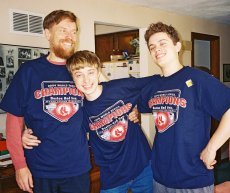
[(63, 53)]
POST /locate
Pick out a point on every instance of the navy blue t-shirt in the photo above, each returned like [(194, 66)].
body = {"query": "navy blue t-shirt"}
[(45, 95), (182, 106), (120, 147)]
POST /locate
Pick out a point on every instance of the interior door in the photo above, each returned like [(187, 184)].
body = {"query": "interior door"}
[(214, 42), (208, 46)]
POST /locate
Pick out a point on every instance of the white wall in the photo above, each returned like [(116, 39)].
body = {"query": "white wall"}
[(110, 11)]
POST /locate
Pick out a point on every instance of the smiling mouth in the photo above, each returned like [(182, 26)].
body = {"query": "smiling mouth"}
[(87, 87), (67, 43), (159, 56)]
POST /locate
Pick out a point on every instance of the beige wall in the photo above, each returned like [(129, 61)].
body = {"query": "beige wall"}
[(111, 11)]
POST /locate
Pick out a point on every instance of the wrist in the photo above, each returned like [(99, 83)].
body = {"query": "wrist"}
[(20, 165), (211, 147)]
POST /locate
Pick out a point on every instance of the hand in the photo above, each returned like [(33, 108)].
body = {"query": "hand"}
[(24, 179), (208, 157), (29, 140), (134, 115)]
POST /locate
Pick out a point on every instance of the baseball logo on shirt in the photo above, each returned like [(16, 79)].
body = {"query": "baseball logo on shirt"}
[(165, 108), (61, 99), (62, 110), (163, 120), (112, 124)]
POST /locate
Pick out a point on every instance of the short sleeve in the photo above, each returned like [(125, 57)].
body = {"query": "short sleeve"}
[(214, 96), (14, 100)]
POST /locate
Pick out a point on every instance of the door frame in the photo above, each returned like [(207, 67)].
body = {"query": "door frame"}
[(214, 51), (214, 68)]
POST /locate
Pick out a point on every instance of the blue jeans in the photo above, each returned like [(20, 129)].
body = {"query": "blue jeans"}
[(143, 183)]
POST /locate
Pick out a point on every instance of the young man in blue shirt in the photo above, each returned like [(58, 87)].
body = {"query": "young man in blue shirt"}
[(119, 146), (182, 102)]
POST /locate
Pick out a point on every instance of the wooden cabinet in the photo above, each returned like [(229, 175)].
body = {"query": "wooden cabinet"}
[(104, 46), (106, 43), (123, 40), (8, 183)]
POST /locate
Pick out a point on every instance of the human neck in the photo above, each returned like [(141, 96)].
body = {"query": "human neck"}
[(93, 96), (168, 70), (53, 58)]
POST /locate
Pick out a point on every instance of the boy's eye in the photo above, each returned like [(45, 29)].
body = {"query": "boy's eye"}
[(152, 48), (74, 32), (78, 75)]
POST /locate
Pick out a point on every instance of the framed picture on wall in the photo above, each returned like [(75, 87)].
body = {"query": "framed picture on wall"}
[(11, 58), (226, 72)]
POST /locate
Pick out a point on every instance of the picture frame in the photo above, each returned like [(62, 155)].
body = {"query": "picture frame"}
[(226, 72), (11, 58)]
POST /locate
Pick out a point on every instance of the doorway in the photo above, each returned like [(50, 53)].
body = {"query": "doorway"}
[(214, 42), (112, 39), (210, 46)]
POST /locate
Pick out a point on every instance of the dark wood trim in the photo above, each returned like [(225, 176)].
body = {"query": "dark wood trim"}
[(214, 51), (214, 67)]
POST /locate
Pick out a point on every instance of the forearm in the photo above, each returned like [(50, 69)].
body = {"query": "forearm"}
[(14, 127), (222, 133)]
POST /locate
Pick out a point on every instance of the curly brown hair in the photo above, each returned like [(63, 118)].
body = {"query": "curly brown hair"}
[(161, 27), (55, 17)]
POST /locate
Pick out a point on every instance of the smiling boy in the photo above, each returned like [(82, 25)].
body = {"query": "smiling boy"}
[(120, 147), (182, 102)]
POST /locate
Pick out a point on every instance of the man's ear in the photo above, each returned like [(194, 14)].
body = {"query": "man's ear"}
[(47, 34), (178, 46)]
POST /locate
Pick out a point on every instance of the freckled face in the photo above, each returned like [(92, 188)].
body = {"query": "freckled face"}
[(62, 38), (87, 80)]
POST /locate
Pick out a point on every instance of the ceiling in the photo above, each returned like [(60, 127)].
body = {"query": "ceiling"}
[(216, 10)]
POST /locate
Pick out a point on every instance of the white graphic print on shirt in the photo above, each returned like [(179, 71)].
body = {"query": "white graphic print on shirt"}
[(61, 99), (165, 108), (111, 125)]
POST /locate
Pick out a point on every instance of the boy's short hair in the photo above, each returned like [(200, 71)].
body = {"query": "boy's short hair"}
[(82, 59), (161, 27), (55, 17)]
